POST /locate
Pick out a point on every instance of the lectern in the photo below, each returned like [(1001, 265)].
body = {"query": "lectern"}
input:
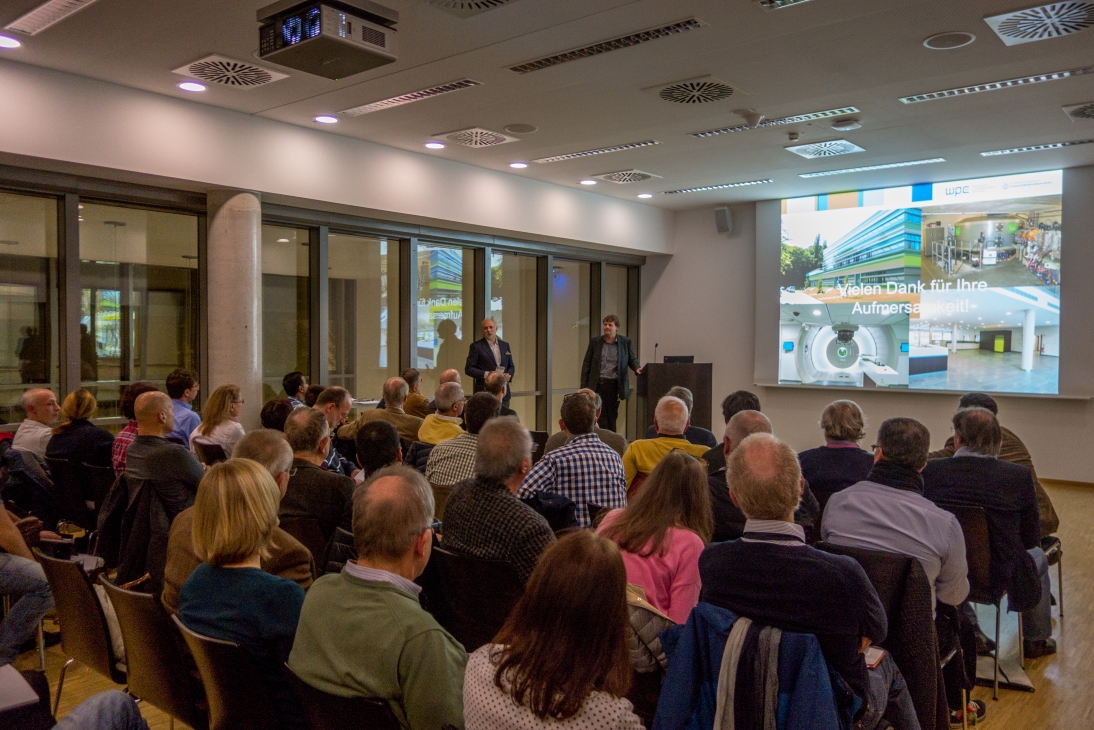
[(658, 377)]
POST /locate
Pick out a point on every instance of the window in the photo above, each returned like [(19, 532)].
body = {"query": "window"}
[(364, 313), (138, 298), (513, 307), (444, 312), (28, 307), (285, 307), (615, 302), (570, 294)]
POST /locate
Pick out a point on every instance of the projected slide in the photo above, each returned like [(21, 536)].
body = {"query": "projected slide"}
[(943, 286)]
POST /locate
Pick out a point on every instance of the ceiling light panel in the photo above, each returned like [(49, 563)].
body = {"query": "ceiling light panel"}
[(229, 72), (599, 151), (830, 148), (1043, 22), (411, 97), (867, 168), (1037, 148), (778, 4), (718, 187), (997, 85), (811, 116), (46, 15), (614, 44)]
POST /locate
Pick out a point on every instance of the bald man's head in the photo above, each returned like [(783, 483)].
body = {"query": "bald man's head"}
[(40, 405), (742, 425), (450, 376), (155, 414), (671, 416), (764, 478)]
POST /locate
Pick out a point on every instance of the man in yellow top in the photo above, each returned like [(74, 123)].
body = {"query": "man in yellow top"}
[(671, 421), (447, 422)]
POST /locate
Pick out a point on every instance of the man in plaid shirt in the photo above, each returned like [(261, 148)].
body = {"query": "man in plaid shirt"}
[(125, 437), (586, 470), (454, 460)]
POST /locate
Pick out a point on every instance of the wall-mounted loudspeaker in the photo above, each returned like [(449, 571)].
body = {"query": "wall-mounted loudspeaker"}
[(723, 220)]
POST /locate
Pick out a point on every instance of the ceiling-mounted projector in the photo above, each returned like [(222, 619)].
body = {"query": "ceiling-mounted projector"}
[(333, 39)]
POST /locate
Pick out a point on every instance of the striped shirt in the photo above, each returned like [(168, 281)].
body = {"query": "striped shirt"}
[(586, 470)]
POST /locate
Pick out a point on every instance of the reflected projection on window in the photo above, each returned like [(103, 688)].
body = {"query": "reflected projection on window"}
[(441, 344)]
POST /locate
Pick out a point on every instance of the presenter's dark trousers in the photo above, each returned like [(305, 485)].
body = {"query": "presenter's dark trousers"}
[(608, 390)]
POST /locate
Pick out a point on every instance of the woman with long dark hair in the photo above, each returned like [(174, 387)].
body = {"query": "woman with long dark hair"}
[(561, 658)]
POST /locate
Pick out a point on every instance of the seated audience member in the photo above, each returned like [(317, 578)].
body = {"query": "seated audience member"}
[(663, 532), (311, 394), (734, 403), (1013, 450), (447, 422), (110, 710), (483, 517), (378, 446), (975, 476), (617, 442), (183, 387), (887, 511), (561, 658), (285, 556), (395, 395), (694, 434), (584, 470), (126, 435), (496, 385), (363, 632), (416, 404), (729, 521), (840, 462), (229, 596), (453, 460), (24, 582), (296, 389), (220, 420), (36, 430), (171, 468), (772, 577), (671, 421), (336, 403), (447, 376), (275, 412), (77, 439), (313, 491)]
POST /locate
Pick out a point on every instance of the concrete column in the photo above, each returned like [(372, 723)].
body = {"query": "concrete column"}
[(953, 339), (1029, 338), (234, 297)]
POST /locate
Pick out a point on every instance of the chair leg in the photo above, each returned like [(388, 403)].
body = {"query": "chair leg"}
[(998, 622), (1060, 581), (1021, 643), (61, 685), (42, 644), (964, 709)]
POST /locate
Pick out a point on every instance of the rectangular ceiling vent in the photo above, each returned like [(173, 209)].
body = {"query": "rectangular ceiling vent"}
[(723, 186), (476, 137), (1080, 112), (1037, 148), (1042, 22), (411, 97), (467, 8), (614, 44), (626, 176), (229, 72), (46, 15), (997, 85), (831, 148), (598, 151), (777, 4), (811, 116)]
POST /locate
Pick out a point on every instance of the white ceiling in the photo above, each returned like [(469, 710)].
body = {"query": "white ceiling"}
[(814, 56)]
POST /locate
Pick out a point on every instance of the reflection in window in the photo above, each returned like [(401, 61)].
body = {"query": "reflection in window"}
[(615, 302), (138, 298), (569, 330), (444, 312), (28, 299), (285, 307), (513, 293)]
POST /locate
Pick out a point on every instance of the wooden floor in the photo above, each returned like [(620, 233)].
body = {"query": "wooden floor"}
[(1064, 699)]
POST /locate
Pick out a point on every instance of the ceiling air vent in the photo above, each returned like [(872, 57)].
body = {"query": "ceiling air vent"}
[(626, 176), (1042, 22), (779, 121), (476, 137), (614, 44), (695, 91), (467, 8), (1080, 111), (776, 4), (229, 72), (46, 15), (411, 97), (825, 149)]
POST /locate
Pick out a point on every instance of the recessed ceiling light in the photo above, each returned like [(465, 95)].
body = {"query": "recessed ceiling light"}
[(9, 42), (588, 182), (1008, 314), (191, 86), (435, 145), (518, 165), (282, 240), (846, 125), (718, 187), (645, 195), (867, 168), (817, 313), (326, 119), (996, 85), (1036, 148), (949, 40)]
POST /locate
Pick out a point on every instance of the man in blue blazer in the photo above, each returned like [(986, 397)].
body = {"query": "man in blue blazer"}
[(490, 355)]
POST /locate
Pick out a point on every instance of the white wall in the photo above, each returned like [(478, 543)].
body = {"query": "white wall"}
[(701, 301)]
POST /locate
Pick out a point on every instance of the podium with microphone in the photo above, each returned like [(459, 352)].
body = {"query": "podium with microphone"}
[(658, 377)]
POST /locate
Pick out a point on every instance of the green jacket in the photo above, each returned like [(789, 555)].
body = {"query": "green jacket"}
[(372, 639)]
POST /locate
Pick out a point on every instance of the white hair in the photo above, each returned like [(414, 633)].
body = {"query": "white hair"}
[(671, 415)]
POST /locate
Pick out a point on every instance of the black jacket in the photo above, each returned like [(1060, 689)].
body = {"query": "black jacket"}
[(315, 492), (480, 362), (83, 443), (590, 368)]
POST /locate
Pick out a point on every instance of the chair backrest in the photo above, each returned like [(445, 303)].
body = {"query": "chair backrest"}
[(209, 453), (325, 711), (68, 490), (440, 499), (97, 483), (238, 698), (974, 525), (478, 595), (307, 531), (84, 633), (539, 444), (596, 513), (154, 657)]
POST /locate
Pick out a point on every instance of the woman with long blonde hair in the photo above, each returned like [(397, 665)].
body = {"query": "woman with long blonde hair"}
[(77, 439), (220, 420)]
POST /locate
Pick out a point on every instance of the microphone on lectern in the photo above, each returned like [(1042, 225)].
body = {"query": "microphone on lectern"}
[(655, 351)]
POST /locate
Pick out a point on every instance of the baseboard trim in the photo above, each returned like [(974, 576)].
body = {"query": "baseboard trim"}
[(1065, 483)]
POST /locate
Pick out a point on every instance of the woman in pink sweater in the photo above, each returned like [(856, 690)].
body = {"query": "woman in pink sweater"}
[(663, 531)]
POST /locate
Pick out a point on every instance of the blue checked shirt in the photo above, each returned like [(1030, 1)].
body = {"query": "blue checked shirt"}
[(584, 470)]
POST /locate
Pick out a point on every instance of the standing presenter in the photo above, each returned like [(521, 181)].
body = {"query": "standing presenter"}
[(605, 369), (490, 355)]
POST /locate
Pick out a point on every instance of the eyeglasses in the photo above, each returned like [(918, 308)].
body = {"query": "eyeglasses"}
[(240, 401), (435, 525), (292, 472)]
